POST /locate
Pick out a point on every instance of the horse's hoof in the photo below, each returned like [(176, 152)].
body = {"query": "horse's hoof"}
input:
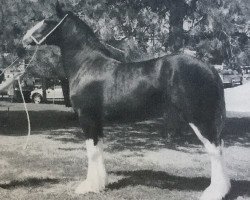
[(216, 192), (89, 186)]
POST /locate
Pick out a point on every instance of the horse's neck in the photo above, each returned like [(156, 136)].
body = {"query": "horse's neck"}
[(80, 37), (85, 57), (80, 48)]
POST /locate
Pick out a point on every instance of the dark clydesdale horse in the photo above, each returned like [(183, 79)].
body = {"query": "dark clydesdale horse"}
[(101, 86)]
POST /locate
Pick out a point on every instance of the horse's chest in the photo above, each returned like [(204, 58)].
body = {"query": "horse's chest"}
[(82, 82), (86, 90)]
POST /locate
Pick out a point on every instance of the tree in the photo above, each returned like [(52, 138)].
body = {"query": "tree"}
[(221, 32), (143, 28)]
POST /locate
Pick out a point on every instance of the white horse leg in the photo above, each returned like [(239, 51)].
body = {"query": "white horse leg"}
[(96, 175), (220, 182)]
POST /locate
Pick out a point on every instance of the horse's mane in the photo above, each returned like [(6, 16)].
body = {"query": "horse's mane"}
[(85, 29), (82, 25)]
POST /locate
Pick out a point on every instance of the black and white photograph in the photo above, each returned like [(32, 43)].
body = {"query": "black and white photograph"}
[(124, 99)]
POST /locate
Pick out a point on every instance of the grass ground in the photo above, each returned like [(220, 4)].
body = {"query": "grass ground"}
[(140, 162)]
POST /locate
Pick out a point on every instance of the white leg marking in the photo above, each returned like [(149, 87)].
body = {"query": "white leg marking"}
[(96, 175), (220, 183)]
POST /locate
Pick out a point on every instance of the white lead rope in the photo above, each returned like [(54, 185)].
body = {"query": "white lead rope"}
[(28, 65), (24, 103), (27, 114), (9, 66)]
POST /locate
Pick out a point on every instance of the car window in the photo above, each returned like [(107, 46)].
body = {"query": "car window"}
[(227, 73)]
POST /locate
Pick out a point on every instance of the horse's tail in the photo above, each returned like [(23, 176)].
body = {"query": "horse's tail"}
[(220, 118), (220, 114)]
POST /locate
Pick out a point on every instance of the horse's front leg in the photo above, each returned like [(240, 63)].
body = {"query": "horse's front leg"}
[(96, 174)]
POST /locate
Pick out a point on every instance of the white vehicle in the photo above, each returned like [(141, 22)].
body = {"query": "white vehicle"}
[(53, 94)]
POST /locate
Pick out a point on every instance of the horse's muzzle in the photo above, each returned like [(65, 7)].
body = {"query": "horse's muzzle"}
[(27, 43)]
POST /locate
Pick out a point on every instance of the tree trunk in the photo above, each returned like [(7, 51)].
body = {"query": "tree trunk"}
[(177, 13), (65, 89), (44, 87)]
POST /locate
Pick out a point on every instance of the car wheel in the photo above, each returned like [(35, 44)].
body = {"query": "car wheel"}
[(37, 98), (232, 83)]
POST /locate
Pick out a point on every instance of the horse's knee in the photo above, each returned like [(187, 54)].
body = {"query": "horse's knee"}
[(91, 125)]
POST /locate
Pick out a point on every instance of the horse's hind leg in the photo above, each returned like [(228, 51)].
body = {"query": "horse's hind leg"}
[(96, 173), (220, 183)]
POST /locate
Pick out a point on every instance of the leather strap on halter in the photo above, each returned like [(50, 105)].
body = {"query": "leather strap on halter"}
[(45, 37)]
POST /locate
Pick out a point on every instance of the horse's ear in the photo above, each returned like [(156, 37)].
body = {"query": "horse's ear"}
[(59, 9)]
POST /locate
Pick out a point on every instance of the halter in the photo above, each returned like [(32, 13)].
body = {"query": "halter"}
[(45, 37)]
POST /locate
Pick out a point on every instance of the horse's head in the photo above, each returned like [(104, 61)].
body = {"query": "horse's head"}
[(46, 31)]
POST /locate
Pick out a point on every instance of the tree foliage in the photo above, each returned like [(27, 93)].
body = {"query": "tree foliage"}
[(222, 36), (218, 30)]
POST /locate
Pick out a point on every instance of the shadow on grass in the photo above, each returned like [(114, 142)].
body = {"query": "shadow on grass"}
[(158, 179), (148, 135), (237, 132), (132, 136), (164, 180), (15, 123), (73, 135), (29, 182), (140, 136), (239, 188)]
